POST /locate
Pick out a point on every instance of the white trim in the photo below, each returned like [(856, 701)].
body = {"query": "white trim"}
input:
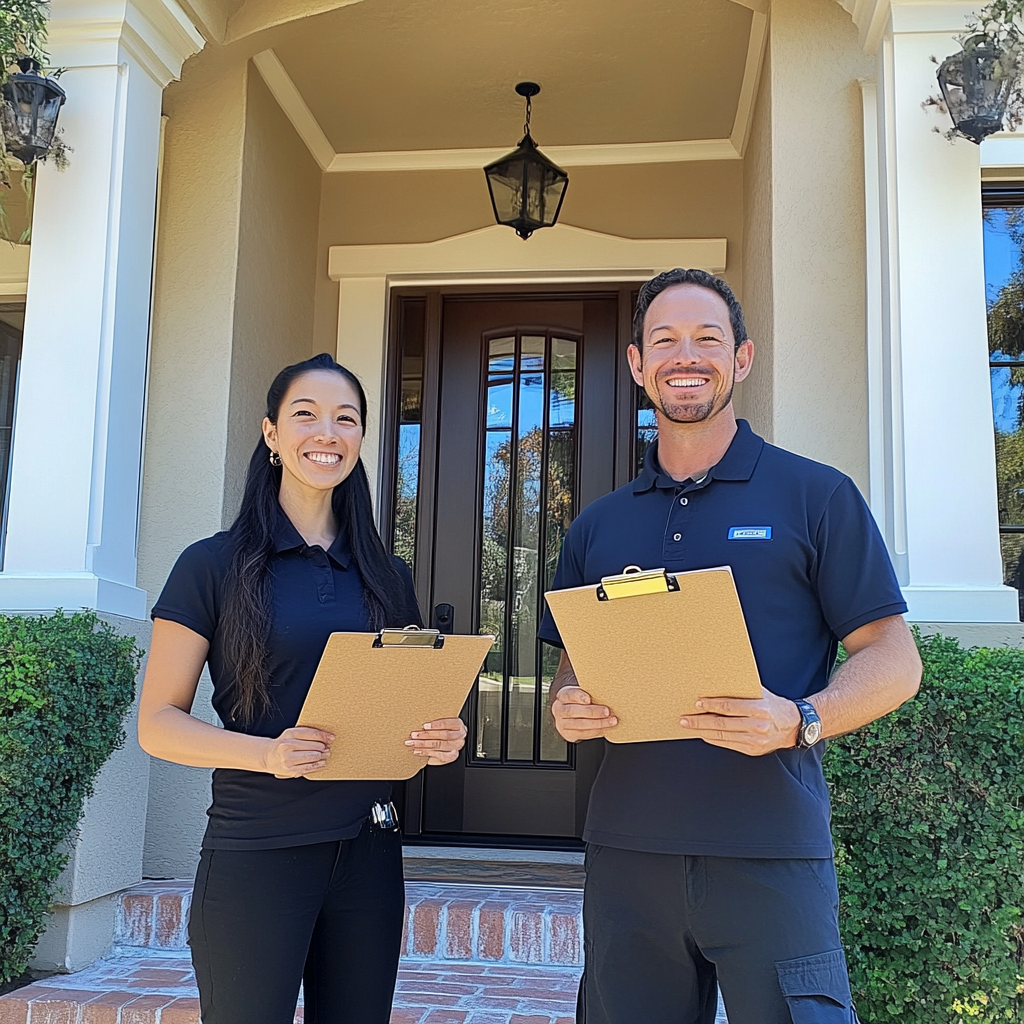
[(1004, 149), (756, 46), (309, 130), (45, 592), (566, 156), (294, 106), (962, 603), (496, 252), (156, 33), (949, 19)]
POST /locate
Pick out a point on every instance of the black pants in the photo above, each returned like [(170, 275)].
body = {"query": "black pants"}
[(328, 915), (660, 931)]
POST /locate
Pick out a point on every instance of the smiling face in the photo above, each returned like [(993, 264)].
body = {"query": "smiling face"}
[(318, 432), (690, 361)]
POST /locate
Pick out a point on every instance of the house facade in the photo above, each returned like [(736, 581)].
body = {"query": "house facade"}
[(255, 181)]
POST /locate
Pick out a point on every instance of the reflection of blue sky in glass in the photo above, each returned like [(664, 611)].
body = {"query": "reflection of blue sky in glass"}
[(531, 402), (1002, 257), (499, 405), (493, 469), (409, 458)]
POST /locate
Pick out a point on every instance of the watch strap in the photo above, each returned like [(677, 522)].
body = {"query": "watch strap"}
[(810, 724)]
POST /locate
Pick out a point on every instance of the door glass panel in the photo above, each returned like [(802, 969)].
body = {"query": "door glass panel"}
[(411, 400), (495, 544), (528, 503), (646, 427)]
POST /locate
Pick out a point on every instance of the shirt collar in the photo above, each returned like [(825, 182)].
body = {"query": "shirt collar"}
[(287, 538), (737, 463)]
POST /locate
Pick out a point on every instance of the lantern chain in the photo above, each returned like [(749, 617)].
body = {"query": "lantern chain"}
[(529, 108)]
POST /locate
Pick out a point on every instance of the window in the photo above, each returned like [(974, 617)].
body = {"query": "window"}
[(1004, 298)]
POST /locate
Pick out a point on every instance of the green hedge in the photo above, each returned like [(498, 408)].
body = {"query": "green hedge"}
[(66, 683), (928, 818)]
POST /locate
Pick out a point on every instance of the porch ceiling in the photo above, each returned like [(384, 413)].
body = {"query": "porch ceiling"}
[(400, 75)]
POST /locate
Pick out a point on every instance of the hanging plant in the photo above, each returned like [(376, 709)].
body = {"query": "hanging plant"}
[(30, 102)]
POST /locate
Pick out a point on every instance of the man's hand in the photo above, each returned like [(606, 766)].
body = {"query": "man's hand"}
[(440, 741), (752, 727), (577, 717)]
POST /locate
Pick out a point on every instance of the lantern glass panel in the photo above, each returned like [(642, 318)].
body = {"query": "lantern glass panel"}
[(506, 183), (28, 115), (976, 86)]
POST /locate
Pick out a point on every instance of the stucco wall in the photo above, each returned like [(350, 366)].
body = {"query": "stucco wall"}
[(273, 323), (819, 385), (234, 303), (755, 394), (684, 200)]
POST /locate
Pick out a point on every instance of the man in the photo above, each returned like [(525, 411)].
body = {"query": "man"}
[(711, 859)]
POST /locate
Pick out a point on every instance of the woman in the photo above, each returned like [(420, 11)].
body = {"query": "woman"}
[(294, 882)]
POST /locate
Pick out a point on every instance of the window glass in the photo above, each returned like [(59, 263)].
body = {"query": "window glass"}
[(410, 399), (1004, 296), (12, 320)]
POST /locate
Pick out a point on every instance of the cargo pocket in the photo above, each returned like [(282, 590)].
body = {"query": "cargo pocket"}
[(817, 988)]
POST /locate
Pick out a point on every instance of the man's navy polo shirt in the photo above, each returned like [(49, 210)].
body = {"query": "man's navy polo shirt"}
[(313, 593), (810, 568)]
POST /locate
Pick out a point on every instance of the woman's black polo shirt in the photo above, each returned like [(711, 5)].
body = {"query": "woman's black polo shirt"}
[(810, 567), (313, 593)]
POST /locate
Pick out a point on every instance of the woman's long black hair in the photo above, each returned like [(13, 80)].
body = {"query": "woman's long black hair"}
[(246, 614)]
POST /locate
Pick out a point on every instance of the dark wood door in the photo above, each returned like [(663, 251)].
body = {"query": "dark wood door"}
[(531, 407)]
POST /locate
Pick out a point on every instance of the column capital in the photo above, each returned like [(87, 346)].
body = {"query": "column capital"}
[(155, 33)]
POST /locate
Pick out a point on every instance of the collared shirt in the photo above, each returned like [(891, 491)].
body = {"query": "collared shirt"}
[(313, 593), (810, 567)]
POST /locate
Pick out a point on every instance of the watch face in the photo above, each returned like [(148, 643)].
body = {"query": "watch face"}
[(812, 733)]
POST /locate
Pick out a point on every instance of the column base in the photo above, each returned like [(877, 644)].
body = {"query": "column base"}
[(77, 936), (45, 592), (961, 604)]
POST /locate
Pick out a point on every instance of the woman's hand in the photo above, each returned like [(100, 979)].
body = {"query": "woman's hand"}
[(297, 752), (440, 741)]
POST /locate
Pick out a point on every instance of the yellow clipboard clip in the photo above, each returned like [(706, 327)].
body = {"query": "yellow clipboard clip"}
[(634, 582), (411, 636)]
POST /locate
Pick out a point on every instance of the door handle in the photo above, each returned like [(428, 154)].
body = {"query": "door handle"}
[(444, 617)]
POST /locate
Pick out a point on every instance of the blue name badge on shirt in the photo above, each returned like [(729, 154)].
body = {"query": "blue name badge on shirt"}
[(750, 533)]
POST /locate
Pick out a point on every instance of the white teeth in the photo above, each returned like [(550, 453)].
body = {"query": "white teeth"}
[(323, 458), (688, 382)]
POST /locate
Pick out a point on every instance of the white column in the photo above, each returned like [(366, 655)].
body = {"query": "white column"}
[(934, 238), (73, 515)]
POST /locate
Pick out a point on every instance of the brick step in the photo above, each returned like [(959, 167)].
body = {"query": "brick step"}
[(490, 924), (161, 990)]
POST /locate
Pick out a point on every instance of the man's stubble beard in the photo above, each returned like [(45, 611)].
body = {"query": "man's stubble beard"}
[(691, 413)]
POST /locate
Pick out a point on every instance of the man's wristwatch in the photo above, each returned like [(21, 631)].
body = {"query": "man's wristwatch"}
[(810, 725)]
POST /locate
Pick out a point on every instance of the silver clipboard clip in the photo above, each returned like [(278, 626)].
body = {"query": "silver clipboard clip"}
[(634, 582), (411, 636)]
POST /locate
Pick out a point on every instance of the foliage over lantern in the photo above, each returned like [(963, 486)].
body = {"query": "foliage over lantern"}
[(526, 187), (30, 100), (981, 85)]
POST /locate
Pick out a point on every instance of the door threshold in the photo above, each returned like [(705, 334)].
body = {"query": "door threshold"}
[(489, 853)]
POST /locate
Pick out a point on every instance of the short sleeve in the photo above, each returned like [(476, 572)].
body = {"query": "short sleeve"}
[(411, 614), (855, 578), (568, 574), (190, 594)]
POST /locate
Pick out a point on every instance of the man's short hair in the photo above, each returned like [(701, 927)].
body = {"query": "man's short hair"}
[(668, 279)]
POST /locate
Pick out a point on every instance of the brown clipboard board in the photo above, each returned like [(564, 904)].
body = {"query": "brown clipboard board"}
[(372, 689), (649, 643)]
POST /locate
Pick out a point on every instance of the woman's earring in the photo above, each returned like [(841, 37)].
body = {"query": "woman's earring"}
[(275, 459)]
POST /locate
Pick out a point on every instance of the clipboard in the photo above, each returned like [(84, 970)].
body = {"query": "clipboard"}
[(372, 689), (648, 643)]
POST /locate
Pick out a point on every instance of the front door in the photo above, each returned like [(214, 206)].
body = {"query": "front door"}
[(522, 414)]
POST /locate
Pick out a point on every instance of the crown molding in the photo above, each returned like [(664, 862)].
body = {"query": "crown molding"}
[(156, 33)]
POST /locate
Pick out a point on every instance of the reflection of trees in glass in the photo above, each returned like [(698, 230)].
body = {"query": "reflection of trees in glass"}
[(1006, 343), (406, 486)]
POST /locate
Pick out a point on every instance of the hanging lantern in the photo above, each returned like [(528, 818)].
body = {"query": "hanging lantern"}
[(28, 114), (526, 188), (976, 85)]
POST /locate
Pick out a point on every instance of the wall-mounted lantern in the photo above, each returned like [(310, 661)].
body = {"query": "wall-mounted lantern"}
[(526, 188), (976, 85), (28, 114)]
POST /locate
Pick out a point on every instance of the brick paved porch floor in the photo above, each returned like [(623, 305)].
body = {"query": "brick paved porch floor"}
[(472, 955)]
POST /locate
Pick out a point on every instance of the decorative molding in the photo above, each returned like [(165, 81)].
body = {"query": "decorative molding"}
[(294, 107), (756, 46), (156, 33), (566, 156), (308, 129), (496, 251), (13, 271), (258, 15)]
